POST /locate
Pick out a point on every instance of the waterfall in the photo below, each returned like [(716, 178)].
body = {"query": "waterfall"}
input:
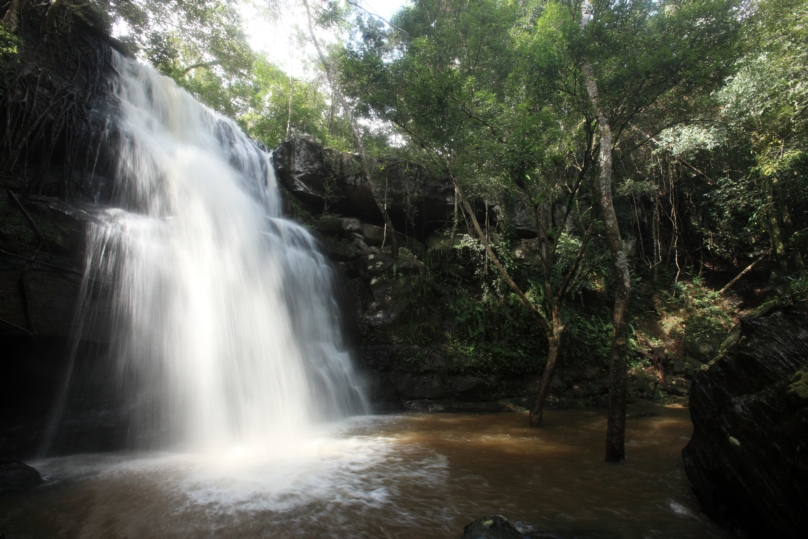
[(225, 325)]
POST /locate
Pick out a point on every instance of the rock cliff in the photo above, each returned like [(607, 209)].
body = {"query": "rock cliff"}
[(748, 458), (55, 108)]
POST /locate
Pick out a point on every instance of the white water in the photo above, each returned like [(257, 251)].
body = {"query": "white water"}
[(226, 330)]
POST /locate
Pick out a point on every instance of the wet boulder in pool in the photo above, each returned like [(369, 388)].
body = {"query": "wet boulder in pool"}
[(495, 527), (16, 476)]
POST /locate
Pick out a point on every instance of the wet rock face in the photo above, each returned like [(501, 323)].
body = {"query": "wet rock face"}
[(39, 293), (419, 379), (748, 458), (39, 297)]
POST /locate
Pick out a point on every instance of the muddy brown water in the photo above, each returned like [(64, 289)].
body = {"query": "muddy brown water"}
[(406, 476)]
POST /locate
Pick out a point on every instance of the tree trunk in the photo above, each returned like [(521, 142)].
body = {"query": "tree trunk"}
[(554, 346), (775, 232), (616, 428), (289, 107), (11, 17), (788, 232), (737, 278)]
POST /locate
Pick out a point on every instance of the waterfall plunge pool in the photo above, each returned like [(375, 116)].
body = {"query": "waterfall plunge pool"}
[(405, 476)]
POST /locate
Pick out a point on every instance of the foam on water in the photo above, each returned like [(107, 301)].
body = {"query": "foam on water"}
[(335, 467)]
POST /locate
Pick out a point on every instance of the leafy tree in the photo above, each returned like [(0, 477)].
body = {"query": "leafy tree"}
[(178, 37), (280, 107), (766, 102), (518, 91), (449, 74)]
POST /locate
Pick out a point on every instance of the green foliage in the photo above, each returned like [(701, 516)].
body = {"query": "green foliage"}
[(752, 139), (9, 48), (798, 386), (708, 321), (9, 44), (279, 108), (795, 289), (178, 36), (493, 336), (588, 339), (198, 43)]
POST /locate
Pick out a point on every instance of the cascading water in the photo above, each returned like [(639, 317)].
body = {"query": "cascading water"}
[(225, 330), (226, 349)]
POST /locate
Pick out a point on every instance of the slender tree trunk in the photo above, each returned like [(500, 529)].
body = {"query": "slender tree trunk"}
[(289, 107), (553, 331), (738, 277), (366, 165), (775, 232), (655, 232), (788, 226), (11, 18), (554, 347), (616, 428)]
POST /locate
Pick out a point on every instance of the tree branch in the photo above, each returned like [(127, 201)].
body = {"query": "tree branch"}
[(744, 272), (502, 271), (354, 130), (376, 15), (198, 65)]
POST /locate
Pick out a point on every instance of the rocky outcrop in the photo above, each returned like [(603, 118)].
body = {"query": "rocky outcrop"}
[(56, 107), (40, 282), (748, 458), (423, 379), (420, 379), (495, 527), (323, 179), (16, 477)]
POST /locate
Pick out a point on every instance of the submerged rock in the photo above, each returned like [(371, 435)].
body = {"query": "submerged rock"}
[(16, 476), (748, 458), (495, 527)]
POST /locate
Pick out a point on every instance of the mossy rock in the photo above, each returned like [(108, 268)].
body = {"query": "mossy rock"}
[(798, 388)]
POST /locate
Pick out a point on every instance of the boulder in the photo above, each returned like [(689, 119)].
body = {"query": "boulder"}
[(495, 527), (338, 251), (515, 214), (43, 304), (16, 477), (747, 461), (422, 379)]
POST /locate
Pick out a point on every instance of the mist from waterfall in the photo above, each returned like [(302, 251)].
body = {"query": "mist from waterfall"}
[(225, 325)]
